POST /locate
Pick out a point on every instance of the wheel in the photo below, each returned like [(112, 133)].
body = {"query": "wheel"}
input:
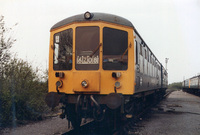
[(73, 116)]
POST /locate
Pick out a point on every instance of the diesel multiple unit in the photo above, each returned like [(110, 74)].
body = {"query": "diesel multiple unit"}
[(192, 85), (101, 68)]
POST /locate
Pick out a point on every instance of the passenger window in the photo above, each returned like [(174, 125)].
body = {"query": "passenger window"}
[(136, 52), (150, 58), (63, 47), (145, 54), (141, 49)]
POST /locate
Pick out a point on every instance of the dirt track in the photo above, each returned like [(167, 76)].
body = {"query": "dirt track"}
[(51, 126), (178, 114)]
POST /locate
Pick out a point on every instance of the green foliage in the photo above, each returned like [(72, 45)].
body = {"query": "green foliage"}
[(22, 93), (176, 85), (22, 89), (6, 43)]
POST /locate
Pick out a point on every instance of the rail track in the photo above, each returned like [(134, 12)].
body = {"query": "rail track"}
[(128, 128)]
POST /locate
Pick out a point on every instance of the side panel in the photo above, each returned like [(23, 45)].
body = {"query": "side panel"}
[(187, 83), (148, 69), (194, 83), (199, 82), (164, 78)]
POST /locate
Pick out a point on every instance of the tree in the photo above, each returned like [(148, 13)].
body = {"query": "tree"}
[(27, 90), (6, 43), (22, 91), (175, 85), (22, 94)]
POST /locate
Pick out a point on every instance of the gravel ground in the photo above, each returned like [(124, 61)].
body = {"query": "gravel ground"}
[(51, 126), (178, 114)]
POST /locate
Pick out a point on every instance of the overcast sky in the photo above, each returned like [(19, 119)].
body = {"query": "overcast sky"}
[(171, 28)]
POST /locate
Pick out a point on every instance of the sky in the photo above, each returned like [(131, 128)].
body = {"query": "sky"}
[(169, 27)]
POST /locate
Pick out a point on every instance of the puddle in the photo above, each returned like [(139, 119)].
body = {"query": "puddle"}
[(173, 105)]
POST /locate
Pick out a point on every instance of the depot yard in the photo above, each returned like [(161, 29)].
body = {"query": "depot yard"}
[(178, 114)]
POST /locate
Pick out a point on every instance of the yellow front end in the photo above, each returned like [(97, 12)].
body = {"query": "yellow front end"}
[(100, 79)]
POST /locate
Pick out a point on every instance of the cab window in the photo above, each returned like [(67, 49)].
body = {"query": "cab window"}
[(87, 48), (115, 49), (63, 47)]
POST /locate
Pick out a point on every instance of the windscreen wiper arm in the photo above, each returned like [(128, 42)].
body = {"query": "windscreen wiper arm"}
[(125, 51), (95, 50)]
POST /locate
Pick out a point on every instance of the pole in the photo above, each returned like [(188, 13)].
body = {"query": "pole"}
[(166, 61)]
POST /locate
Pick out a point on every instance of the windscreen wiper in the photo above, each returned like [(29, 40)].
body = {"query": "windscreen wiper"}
[(125, 51), (96, 50)]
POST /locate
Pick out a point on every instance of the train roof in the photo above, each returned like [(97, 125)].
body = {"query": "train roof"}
[(95, 17), (197, 76)]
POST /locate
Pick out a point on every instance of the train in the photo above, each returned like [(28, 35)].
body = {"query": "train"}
[(192, 85), (101, 68)]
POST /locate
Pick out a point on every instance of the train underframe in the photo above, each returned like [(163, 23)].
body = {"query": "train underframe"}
[(194, 91), (110, 109)]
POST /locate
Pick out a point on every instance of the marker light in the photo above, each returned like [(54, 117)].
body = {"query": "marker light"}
[(88, 15), (59, 84), (116, 74), (84, 84), (59, 74)]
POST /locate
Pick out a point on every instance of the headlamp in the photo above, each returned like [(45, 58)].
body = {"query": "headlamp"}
[(59, 84), (87, 15), (84, 84)]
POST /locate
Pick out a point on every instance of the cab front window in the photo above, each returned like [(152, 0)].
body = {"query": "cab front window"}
[(115, 49), (87, 48), (63, 50)]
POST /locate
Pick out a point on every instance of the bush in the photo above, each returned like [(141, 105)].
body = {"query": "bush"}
[(22, 93), (22, 89), (175, 85)]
